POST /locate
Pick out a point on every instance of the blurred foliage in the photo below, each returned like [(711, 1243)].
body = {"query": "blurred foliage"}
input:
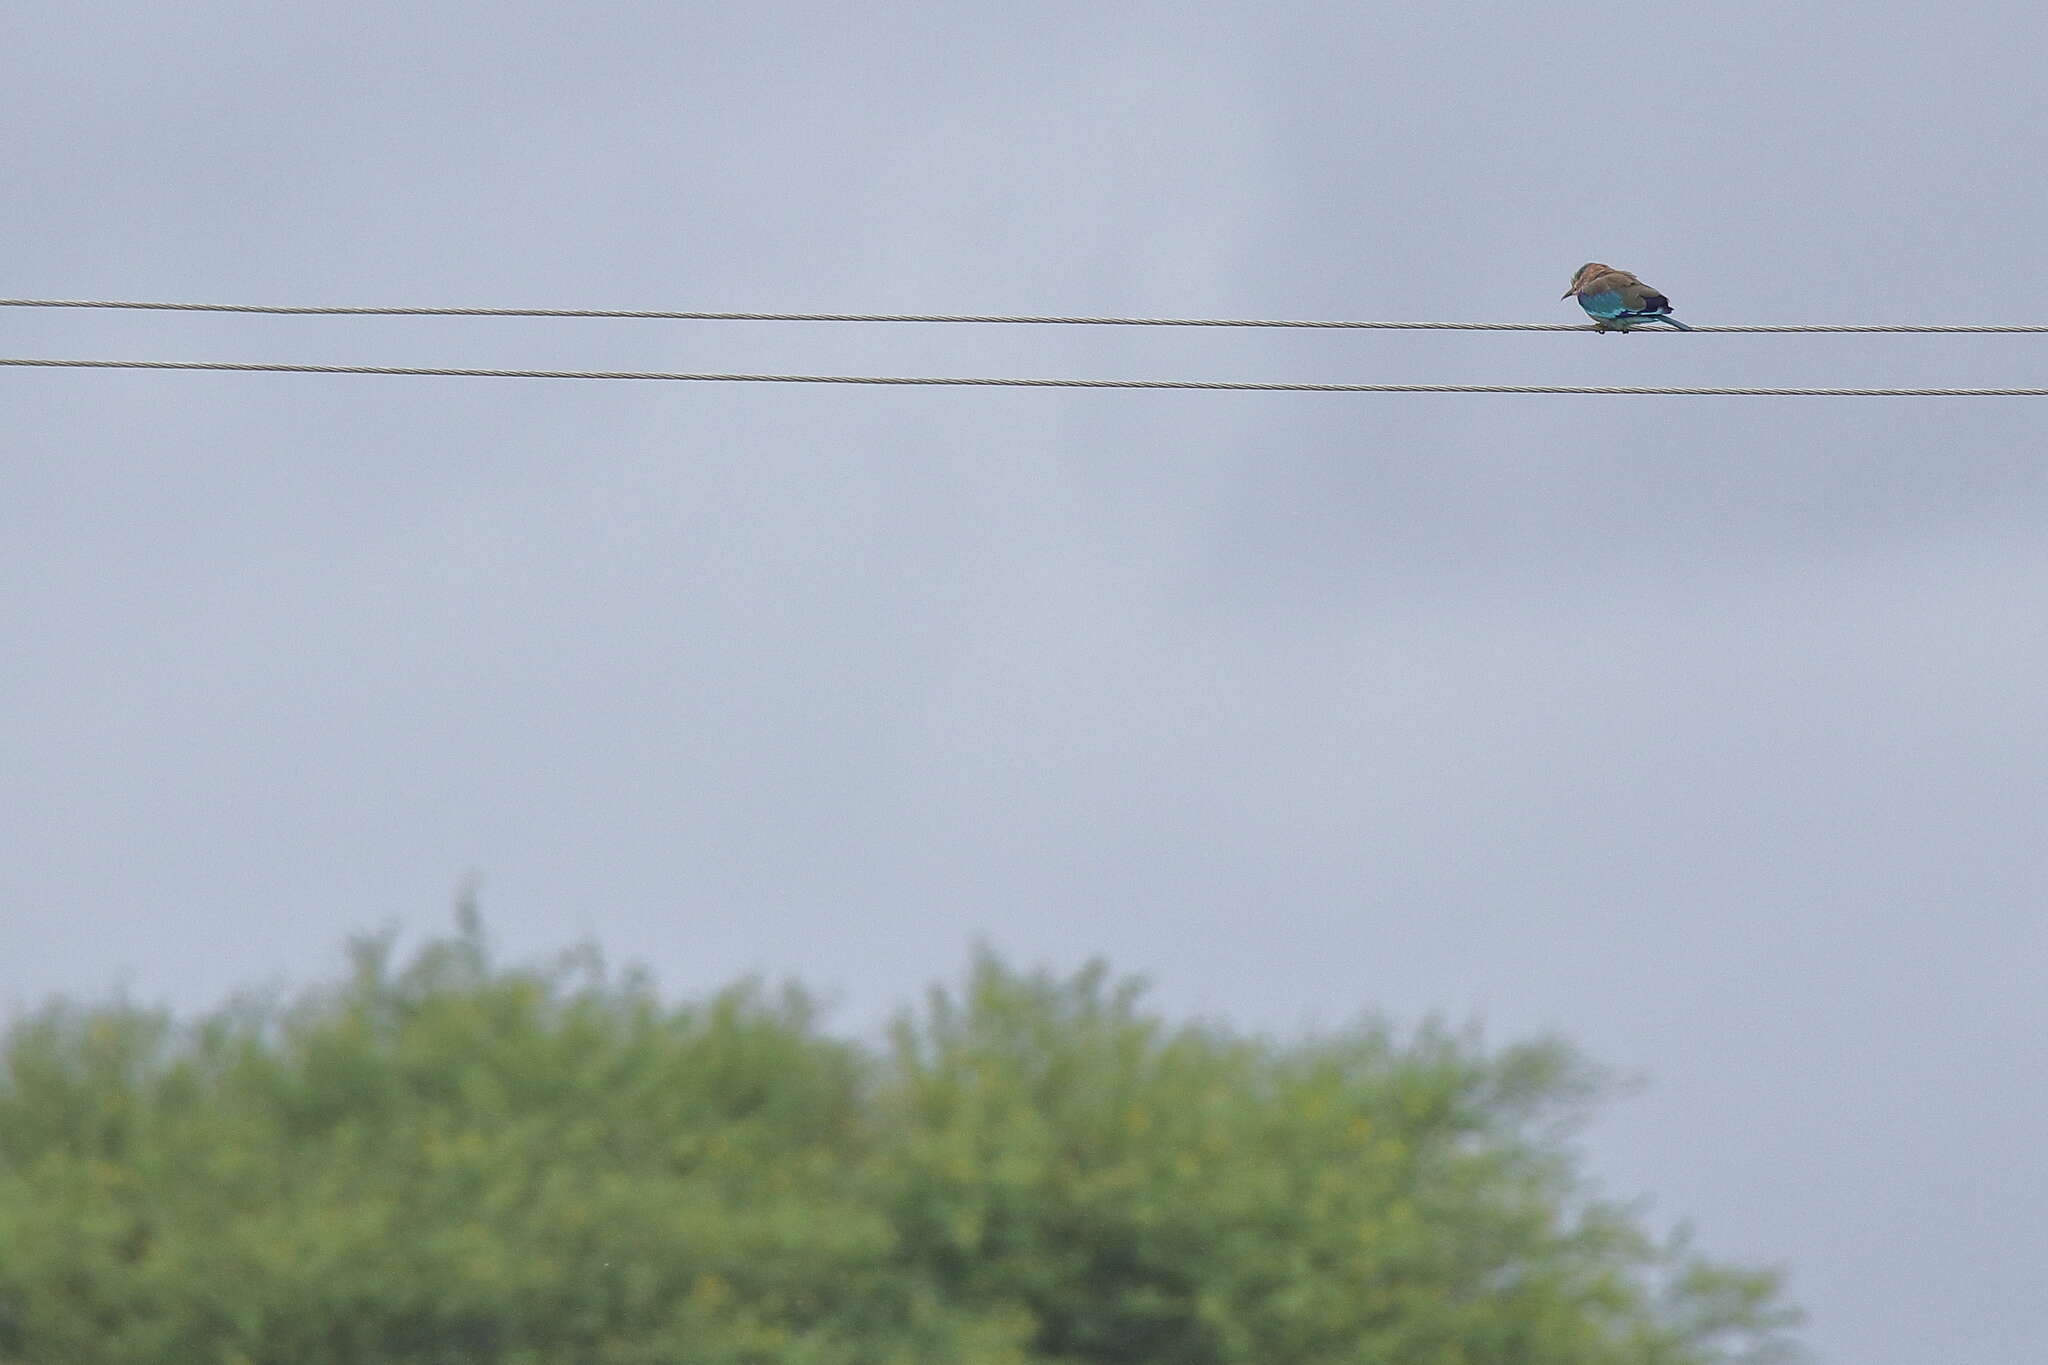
[(450, 1161)]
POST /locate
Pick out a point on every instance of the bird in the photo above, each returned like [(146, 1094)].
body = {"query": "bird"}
[(1617, 301)]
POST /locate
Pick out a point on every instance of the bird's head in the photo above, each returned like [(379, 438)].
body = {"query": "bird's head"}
[(1584, 273)]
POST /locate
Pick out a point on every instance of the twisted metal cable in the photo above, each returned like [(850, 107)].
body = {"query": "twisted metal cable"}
[(1212, 385), (653, 314)]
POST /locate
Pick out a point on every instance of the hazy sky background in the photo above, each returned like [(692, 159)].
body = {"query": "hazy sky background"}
[(1707, 732)]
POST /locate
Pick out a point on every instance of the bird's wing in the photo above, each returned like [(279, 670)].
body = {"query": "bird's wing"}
[(1640, 298)]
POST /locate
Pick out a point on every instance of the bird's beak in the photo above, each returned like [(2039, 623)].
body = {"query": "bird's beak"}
[(1566, 294)]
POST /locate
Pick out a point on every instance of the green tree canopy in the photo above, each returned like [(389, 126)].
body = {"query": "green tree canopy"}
[(451, 1161)]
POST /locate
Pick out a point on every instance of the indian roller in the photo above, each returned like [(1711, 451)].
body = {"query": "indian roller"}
[(1617, 301)]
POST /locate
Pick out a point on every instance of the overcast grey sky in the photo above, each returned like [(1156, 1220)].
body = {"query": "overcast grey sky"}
[(1708, 732)]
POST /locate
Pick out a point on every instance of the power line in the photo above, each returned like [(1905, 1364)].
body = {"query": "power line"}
[(653, 314), (1216, 385)]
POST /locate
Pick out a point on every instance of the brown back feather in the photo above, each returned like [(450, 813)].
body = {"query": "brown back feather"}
[(1611, 278)]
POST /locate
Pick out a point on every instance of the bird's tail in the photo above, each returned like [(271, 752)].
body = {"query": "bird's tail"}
[(1666, 317)]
